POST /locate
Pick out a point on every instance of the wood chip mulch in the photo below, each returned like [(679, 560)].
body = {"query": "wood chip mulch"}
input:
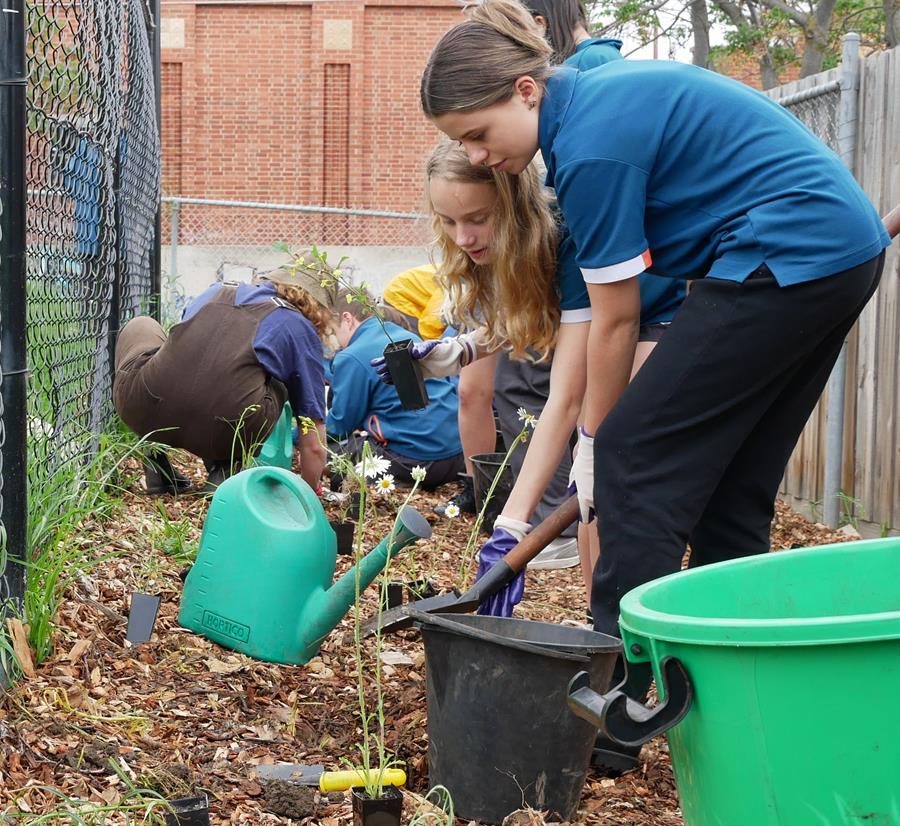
[(182, 716)]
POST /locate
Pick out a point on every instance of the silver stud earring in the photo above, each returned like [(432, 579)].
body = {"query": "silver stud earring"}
[(532, 103)]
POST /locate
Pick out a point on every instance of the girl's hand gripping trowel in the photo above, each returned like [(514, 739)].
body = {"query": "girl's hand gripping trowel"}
[(496, 578)]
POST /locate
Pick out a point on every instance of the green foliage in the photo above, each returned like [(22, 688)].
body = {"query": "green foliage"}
[(751, 28), (172, 537), (332, 278), (58, 505), (436, 809)]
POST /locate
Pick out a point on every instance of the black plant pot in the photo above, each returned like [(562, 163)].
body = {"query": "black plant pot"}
[(406, 373), (420, 589), (345, 531), (189, 811), (377, 811), (392, 596)]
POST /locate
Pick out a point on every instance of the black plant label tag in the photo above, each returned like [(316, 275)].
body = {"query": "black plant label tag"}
[(141, 617)]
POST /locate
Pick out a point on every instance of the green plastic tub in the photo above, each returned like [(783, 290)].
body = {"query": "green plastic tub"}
[(794, 659)]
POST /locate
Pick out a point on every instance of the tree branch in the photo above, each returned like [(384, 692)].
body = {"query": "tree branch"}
[(799, 17)]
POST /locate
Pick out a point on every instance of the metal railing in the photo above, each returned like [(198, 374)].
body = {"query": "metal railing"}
[(206, 239)]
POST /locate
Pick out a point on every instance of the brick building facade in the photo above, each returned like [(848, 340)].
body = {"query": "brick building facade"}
[(298, 101)]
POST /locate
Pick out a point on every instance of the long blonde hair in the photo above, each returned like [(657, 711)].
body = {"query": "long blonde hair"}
[(477, 62), (515, 296)]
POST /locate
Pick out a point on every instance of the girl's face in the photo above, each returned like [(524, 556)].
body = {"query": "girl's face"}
[(503, 136), (466, 213)]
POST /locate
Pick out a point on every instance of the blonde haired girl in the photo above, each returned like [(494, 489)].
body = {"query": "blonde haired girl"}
[(489, 227)]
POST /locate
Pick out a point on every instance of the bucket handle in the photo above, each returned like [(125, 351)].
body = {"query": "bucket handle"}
[(626, 721)]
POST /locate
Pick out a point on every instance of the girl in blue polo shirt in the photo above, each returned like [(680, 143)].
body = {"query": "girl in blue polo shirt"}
[(675, 170)]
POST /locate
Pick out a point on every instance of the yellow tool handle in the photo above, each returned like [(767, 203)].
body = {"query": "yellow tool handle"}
[(341, 781)]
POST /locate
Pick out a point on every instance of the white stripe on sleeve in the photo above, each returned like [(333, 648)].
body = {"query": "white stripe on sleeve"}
[(575, 316), (617, 272)]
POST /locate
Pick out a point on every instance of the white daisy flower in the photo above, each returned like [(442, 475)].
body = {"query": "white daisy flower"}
[(385, 484), (451, 511), (418, 473), (529, 419), (373, 466)]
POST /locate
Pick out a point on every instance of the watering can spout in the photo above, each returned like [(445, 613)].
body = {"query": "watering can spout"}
[(326, 611)]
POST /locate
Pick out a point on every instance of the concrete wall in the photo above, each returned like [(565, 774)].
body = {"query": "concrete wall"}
[(199, 266)]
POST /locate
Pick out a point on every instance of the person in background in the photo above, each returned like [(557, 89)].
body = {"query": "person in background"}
[(361, 404), (564, 24), (417, 296), (217, 383)]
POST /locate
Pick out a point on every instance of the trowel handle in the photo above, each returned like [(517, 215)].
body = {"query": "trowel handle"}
[(340, 781), (543, 535)]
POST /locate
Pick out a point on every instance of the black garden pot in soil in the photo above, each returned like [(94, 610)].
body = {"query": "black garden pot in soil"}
[(392, 596), (345, 531), (406, 373), (378, 811), (420, 589), (189, 811)]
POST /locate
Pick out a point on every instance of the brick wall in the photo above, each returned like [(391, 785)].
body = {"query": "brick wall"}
[(298, 102)]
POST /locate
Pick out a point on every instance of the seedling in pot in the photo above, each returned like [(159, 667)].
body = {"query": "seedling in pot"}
[(383, 810), (406, 374)]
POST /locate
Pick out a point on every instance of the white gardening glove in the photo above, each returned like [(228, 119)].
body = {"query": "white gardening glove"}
[(516, 527), (438, 358), (581, 477)]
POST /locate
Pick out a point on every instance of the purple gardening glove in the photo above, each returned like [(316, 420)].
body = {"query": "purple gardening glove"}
[(418, 352), (507, 534)]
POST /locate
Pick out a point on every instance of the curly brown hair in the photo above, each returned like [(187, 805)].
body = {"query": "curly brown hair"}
[(316, 312)]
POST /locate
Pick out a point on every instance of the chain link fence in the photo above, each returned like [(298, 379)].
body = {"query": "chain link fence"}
[(206, 240), (818, 108), (92, 175)]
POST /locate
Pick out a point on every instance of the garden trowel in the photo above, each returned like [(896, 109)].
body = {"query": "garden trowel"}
[(496, 578), (325, 781)]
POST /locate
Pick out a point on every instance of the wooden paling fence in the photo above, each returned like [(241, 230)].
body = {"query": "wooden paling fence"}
[(870, 475)]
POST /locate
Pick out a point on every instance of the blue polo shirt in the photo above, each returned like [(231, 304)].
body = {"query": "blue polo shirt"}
[(361, 401), (660, 297), (286, 346), (594, 52), (671, 168)]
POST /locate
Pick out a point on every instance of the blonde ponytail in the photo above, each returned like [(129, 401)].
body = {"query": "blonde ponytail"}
[(477, 62)]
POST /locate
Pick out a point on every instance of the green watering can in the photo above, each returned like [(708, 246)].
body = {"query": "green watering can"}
[(262, 582)]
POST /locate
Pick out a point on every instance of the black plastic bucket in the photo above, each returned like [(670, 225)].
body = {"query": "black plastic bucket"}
[(500, 732), (484, 468)]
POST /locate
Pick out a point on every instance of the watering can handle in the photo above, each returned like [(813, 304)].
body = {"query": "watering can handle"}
[(626, 721)]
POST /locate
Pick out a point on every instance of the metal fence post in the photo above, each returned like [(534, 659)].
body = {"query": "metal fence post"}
[(173, 240), (153, 34), (848, 109), (14, 483)]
